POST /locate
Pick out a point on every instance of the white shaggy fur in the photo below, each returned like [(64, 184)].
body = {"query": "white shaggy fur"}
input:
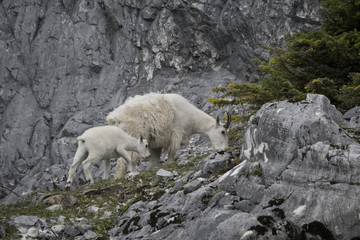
[(103, 143), (167, 121)]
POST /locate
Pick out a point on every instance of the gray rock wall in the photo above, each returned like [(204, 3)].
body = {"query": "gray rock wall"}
[(66, 63)]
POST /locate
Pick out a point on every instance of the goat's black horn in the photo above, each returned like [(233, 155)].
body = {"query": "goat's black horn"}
[(228, 122)]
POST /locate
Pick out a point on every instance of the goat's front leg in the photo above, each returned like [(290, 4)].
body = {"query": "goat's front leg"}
[(129, 166), (154, 158), (172, 151), (171, 157), (123, 153)]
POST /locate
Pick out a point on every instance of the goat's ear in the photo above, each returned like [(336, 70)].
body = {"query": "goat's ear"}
[(141, 139), (217, 121)]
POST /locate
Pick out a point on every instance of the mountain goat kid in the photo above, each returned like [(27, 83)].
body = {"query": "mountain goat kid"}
[(167, 121), (103, 143)]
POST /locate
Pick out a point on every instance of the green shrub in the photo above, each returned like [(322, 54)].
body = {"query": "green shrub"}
[(324, 61)]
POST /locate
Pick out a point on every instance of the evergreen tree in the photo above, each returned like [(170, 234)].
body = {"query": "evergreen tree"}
[(324, 61)]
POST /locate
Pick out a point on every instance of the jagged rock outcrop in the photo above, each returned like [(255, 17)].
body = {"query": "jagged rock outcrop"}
[(65, 64), (351, 122), (298, 178)]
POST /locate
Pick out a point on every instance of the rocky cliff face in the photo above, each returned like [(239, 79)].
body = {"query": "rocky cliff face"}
[(65, 64), (297, 177)]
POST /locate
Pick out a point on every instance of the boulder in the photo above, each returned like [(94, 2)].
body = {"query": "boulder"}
[(26, 220), (55, 207), (90, 235), (164, 176), (62, 200), (351, 122)]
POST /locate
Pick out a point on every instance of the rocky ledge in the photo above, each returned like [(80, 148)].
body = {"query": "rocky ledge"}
[(297, 176)]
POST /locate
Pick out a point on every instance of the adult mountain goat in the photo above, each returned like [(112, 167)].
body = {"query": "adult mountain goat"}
[(167, 121), (103, 143)]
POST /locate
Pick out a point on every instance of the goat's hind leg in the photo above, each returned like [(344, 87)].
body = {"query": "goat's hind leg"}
[(120, 169), (106, 169), (90, 160), (80, 155)]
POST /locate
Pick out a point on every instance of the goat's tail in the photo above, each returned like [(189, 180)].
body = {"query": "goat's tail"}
[(79, 139)]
